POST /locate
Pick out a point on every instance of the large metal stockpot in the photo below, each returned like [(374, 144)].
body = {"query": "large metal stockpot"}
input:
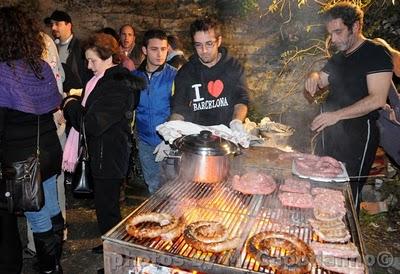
[(205, 157)]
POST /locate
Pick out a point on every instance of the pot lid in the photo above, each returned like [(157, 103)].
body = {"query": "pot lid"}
[(205, 143)]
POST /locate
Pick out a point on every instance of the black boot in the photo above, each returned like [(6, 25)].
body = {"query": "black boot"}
[(58, 228), (10, 244), (47, 246)]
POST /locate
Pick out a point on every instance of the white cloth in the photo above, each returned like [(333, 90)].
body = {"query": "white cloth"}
[(175, 129), (237, 125)]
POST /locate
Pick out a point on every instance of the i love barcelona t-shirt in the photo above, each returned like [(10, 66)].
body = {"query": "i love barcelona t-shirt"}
[(207, 96)]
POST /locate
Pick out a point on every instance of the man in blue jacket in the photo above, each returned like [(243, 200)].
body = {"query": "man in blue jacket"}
[(154, 106)]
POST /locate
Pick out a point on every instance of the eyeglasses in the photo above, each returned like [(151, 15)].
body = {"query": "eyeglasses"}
[(207, 45)]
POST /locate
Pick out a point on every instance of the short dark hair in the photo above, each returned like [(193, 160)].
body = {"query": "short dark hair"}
[(348, 12), (153, 33), (205, 24), (174, 42), (105, 46)]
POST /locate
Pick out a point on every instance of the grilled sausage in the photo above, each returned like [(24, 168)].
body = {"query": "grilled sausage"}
[(169, 227), (299, 259), (209, 236), (210, 232)]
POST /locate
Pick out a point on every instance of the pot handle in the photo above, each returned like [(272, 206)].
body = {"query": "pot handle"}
[(172, 154), (238, 151)]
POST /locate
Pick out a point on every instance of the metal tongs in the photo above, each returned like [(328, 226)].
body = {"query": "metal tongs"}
[(277, 127), (319, 96)]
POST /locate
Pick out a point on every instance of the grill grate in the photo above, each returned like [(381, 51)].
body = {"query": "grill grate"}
[(242, 215)]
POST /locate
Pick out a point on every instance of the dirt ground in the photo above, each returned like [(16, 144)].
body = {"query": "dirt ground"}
[(83, 233), (381, 231)]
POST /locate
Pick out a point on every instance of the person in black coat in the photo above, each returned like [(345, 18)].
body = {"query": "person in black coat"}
[(106, 108), (69, 49), (28, 98)]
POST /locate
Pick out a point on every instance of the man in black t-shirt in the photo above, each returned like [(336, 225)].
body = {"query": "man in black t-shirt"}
[(358, 76), (210, 89)]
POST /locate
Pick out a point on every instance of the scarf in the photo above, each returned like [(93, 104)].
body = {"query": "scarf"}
[(70, 154), (21, 90)]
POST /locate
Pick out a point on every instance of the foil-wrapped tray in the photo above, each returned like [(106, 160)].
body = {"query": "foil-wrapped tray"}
[(341, 178)]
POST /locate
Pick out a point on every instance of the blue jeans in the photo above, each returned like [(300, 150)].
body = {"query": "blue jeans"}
[(40, 221), (150, 168)]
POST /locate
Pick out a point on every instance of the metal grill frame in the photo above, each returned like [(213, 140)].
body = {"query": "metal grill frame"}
[(120, 250)]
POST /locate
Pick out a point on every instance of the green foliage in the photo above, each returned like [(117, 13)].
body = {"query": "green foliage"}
[(383, 20), (367, 219), (239, 8), (247, 5)]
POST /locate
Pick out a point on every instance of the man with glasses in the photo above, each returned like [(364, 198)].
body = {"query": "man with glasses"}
[(210, 89)]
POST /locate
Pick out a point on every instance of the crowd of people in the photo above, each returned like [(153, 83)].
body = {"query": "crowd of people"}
[(108, 84), (111, 84)]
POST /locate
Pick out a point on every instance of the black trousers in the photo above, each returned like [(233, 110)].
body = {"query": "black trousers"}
[(10, 245), (353, 142), (106, 200)]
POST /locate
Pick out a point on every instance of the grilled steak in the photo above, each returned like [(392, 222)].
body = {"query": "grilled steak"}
[(254, 183), (297, 186), (349, 250), (340, 265), (328, 204), (334, 232), (314, 166), (292, 199), (333, 224), (322, 190)]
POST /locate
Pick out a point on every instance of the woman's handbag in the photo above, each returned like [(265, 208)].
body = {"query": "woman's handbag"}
[(21, 183), (81, 180)]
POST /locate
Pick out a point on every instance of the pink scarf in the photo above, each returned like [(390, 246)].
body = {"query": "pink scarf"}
[(70, 155)]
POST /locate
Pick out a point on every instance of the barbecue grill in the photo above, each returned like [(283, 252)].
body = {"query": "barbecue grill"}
[(242, 215)]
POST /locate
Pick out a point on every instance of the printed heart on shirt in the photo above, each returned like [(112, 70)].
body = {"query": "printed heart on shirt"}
[(215, 88)]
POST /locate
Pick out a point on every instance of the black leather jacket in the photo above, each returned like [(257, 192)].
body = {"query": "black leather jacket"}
[(107, 116)]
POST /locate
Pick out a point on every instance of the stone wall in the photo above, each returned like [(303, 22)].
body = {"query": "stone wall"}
[(259, 42), (264, 45)]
